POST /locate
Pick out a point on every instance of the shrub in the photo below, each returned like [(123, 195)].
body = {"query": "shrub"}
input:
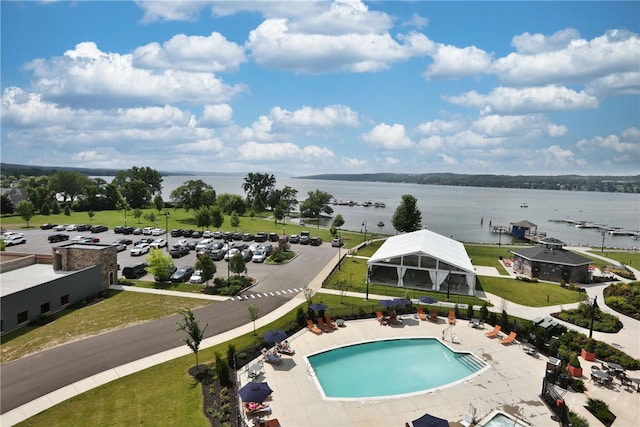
[(573, 361), (577, 420)]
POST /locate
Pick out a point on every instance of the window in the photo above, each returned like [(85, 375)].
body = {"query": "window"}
[(112, 279), (64, 299), (23, 317), (45, 308)]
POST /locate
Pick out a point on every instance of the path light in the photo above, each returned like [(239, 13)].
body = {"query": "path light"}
[(364, 224)]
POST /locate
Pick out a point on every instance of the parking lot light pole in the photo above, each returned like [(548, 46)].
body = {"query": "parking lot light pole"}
[(364, 224), (166, 227)]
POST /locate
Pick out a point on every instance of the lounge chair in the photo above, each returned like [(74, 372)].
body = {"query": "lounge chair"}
[(381, 318), (452, 317), (270, 357), (421, 314), (251, 408), (468, 419), (323, 326), (508, 340), (313, 328), (434, 315), (495, 332), (330, 322), (394, 319)]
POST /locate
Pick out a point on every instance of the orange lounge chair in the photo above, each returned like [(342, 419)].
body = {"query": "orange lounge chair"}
[(434, 315), (313, 328), (495, 332), (421, 314), (508, 340), (452, 317), (323, 326), (381, 318), (330, 322)]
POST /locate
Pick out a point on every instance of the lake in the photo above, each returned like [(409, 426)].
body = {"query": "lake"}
[(462, 213)]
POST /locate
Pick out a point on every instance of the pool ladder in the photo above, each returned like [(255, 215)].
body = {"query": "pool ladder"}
[(310, 371), (480, 350)]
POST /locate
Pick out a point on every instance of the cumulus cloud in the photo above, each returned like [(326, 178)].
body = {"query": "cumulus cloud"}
[(538, 43), (326, 117), (508, 100), (615, 84), (253, 150), (529, 125), (390, 137), (580, 61), (176, 10), (416, 21), (87, 76), (213, 53), (450, 62), (216, 115), (438, 126), (628, 144), (353, 162)]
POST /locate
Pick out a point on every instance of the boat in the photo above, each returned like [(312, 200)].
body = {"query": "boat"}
[(380, 205), (367, 204), (524, 205), (380, 224)]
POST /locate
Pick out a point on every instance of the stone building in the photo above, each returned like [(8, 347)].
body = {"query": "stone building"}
[(551, 262)]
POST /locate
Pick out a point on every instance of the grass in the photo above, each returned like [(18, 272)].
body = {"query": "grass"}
[(531, 294), (169, 286), (489, 256), (118, 310), (628, 258)]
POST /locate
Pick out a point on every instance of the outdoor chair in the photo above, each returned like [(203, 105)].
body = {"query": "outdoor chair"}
[(434, 315), (270, 357), (381, 318), (330, 322), (421, 314), (508, 340), (323, 326), (452, 317), (313, 328), (494, 333)]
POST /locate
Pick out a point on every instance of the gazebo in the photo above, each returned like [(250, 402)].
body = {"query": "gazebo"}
[(423, 260)]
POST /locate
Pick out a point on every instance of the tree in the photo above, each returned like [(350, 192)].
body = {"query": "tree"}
[(194, 194), (150, 217), (343, 286), (217, 218), (151, 178), (316, 204), (44, 210), (91, 214), (68, 184), (158, 203), (137, 214), (191, 326), (237, 264), (6, 205), (207, 267), (338, 222), (254, 314), (258, 186), (203, 217), (159, 265), (407, 217), (231, 202), (67, 210), (26, 210), (235, 220), (55, 207)]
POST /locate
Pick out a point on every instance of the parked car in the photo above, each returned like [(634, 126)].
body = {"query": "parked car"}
[(135, 271), (118, 229), (84, 239), (158, 243), (203, 244), (148, 240), (294, 238), (61, 227), (273, 237), (236, 236), (55, 238), (125, 242), (137, 231), (71, 227), (218, 254), (128, 230), (231, 253), (259, 256), (176, 232), (196, 234), (158, 231), (217, 234), (315, 241), (140, 249), (207, 234), (196, 277), (173, 270), (83, 227), (15, 239), (48, 226), (337, 242), (98, 228), (247, 237), (261, 236), (119, 246), (247, 254), (147, 231), (240, 246), (304, 240), (179, 251), (187, 233), (268, 248), (182, 274)]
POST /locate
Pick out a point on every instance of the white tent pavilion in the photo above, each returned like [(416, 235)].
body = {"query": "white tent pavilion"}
[(423, 260)]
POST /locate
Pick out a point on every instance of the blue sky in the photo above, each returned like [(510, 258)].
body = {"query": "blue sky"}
[(304, 87)]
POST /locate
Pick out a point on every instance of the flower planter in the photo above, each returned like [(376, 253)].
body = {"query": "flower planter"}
[(575, 372), (587, 355)]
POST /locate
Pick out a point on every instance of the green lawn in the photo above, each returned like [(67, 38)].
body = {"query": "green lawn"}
[(624, 257), (529, 293), (119, 310), (489, 255)]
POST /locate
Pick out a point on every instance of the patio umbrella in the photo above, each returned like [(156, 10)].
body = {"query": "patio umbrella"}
[(274, 335), (401, 301), (387, 303), (254, 392), (428, 420), (428, 300), (318, 306)]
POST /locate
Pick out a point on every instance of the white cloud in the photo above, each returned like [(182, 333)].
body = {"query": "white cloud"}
[(175, 10), (281, 151), (451, 62), (260, 130), (438, 126), (416, 21), (329, 116), (448, 160), (538, 43), (508, 100), (89, 76), (353, 162), (615, 84), (628, 143), (555, 131), (530, 125), (391, 137), (213, 53), (616, 51), (216, 115)]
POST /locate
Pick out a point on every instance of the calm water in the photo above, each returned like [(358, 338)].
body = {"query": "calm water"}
[(457, 212), (368, 370)]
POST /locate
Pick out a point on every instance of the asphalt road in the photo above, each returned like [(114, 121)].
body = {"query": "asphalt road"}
[(36, 375)]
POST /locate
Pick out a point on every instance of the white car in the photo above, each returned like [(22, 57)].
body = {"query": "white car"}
[(231, 253), (196, 277), (15, 239), (203, 244), (120, 247), (207, 234), (157, 232), (158, 243), (147, 231), (71, 227), (61, 227), (259, 256), (140, 249)]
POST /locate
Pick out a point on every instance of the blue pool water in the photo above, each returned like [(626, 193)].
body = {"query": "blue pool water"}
[(390, 367)]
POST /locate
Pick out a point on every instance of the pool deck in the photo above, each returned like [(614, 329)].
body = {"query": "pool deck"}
[(513, 381)]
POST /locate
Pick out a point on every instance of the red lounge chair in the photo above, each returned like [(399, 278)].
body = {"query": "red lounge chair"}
[(452, 317), (381, 318), (508, 340), (323, 326), (421, 314), (434, 315), (313, 328), (330, 322), (495, 332)]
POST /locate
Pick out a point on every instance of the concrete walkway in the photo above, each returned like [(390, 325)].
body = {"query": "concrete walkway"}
[(628, 340)]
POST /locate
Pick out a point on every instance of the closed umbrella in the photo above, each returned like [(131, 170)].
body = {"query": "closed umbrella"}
[(318, 306), (428, 300), (401, 302), (254, 392), (275, 335), (428, 420), (387, 303)]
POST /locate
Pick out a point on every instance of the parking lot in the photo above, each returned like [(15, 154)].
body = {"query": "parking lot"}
[(269, 277)]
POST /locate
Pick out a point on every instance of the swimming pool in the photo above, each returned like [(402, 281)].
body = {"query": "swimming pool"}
[(390, 368), (501, 419)]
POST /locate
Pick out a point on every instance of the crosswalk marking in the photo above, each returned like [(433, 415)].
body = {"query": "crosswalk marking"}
[(281, 292)]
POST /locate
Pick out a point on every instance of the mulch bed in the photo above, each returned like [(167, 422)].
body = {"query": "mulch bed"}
[(218, 401)]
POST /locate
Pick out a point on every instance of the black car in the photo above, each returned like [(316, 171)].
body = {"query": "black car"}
[(217, 235), (187, 233), (54, 238), (315, 241), (176, 232), (237, 236), (247, 254), (247, 237), (98, 228), (119, 229), (239, 246), (217, 254), (196, 234), (179, 251), (83, 227), (47, 226), (128, 230), (125, 242), (273, 237), (182, 274), (144, 240), (261, 237), (172, 271), (304, 240)]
